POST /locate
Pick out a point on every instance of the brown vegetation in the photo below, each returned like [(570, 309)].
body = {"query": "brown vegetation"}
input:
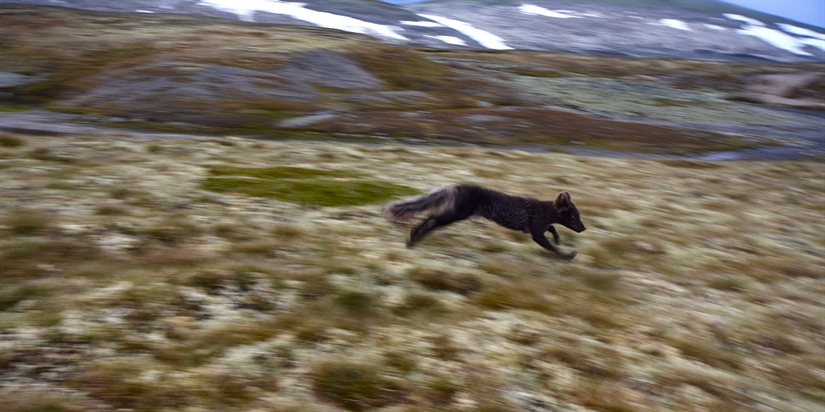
[(128, 284)]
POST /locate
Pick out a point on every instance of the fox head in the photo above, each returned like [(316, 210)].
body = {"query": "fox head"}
[(567, 214)]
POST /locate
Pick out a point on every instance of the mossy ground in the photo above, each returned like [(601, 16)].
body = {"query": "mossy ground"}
[(128, 285), (307, 187)]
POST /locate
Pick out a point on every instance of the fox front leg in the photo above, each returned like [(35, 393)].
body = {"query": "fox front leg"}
[(539, 238), (556, 238)]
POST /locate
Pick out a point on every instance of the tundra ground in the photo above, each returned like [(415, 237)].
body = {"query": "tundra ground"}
[(222, 273)]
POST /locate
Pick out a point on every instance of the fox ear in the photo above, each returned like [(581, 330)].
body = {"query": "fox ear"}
[(562, 200)]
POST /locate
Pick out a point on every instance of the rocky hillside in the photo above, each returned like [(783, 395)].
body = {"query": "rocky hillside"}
[(705, 29), (194, 74)]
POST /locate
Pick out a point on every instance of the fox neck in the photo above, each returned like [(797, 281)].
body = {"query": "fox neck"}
[(550, 213)]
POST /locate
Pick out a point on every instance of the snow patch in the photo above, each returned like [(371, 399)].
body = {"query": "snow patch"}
[(449, 40), (541, 11), (799, 31), (245, 9), (748, 20), (144, 11), (819, 44), (421, 23), (484, 38), (676, 24), (776, 39), (715, 27)]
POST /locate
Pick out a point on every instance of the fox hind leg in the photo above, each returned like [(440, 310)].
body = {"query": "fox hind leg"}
[(433, 223)]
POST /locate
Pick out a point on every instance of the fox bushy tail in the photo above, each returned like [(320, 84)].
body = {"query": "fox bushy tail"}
[(436, 201)]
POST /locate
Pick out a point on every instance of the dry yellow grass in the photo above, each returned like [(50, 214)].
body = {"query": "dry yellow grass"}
[(126, 284)]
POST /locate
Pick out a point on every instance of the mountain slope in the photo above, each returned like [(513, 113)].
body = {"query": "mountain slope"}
[(696, 29), (704, 29), (196, 74)]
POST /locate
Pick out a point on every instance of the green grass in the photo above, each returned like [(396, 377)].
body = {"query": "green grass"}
[(403, 69), (307, 187), (29, 222), (13, 108), (420, 305), (358, 305), (462, 283), (355, 386), (10, 141), (34, 258), (14, 294), (661, 102), (515, 295), (274, 173)]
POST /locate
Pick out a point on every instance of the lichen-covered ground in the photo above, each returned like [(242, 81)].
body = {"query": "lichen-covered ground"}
[(135, 278)]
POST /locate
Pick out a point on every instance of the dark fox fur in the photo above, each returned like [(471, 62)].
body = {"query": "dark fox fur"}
[(450, 204)]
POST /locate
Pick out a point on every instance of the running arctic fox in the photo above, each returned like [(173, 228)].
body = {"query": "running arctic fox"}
[(450, 204)]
